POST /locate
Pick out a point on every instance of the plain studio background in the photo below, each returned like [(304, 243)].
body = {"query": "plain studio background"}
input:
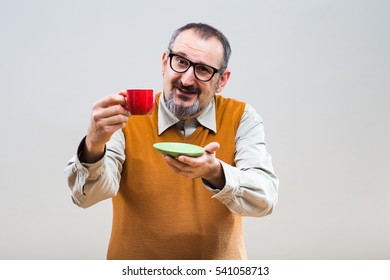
[(317, 72)]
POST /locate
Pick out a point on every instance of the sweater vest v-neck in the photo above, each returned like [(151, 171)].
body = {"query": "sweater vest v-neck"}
[(158, 214)]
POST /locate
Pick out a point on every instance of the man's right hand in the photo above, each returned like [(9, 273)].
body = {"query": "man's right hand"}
[(108, 115)]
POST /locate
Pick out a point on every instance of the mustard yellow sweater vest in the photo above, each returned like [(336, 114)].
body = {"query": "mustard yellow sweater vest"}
[(158, 214)]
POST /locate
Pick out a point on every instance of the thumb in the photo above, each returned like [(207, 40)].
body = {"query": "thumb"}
[(212, 147)]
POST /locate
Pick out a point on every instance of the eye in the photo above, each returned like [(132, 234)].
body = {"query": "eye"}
[(203, 69), (181, 61)]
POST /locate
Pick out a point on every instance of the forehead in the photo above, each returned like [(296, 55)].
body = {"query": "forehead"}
[(197, 49)]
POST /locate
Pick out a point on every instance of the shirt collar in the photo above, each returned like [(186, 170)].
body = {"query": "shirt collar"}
[(166, 119)]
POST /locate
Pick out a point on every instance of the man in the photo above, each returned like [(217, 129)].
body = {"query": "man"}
[(185, 207)]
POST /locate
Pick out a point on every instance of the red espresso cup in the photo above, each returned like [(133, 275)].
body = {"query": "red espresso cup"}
[(139, 101)]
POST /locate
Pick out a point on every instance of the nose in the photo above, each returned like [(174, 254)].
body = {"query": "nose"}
[(188, 77)]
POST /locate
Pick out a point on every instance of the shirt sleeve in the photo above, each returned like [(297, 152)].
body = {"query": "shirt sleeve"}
[(251, 186), (94, 182)]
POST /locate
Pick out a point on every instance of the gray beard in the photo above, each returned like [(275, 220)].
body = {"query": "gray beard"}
[(179, 111)]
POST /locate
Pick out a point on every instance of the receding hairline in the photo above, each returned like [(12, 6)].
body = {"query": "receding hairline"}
[(205, 32)]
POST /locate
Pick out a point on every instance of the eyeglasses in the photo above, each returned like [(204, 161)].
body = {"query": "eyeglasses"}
[(202, 72)]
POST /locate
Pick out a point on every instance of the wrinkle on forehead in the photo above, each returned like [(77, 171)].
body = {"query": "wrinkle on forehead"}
[(190, 45)]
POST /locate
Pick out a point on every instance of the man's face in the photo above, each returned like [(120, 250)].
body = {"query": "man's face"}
[(187, 96)]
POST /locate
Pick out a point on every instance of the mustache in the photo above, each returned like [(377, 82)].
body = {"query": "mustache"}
[(190, 89)]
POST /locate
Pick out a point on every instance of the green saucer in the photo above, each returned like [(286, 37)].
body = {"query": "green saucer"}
[(174, 149)]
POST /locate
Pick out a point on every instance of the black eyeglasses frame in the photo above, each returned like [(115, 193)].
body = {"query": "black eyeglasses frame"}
[(193, 64)]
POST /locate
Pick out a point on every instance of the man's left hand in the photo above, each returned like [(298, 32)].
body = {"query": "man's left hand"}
[(206, 166)]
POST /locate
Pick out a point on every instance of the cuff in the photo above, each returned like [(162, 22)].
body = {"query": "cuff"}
[(92, 170), (231, 185)]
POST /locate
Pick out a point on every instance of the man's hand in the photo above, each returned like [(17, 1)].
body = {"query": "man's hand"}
[(108, 115), (206, 166)]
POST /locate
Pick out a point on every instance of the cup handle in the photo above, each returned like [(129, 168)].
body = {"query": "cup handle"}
[(126, 106)]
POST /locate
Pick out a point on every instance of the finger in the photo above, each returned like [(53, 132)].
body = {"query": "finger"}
[(102, 113), (170, 160), (190, 161), (212, 147), (186, 173), (110, 129), (112, 121), (123, 93), (174, 162), (110, 100)]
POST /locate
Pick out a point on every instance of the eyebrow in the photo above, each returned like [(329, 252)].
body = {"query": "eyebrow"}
[(185, 56), (180, 53)]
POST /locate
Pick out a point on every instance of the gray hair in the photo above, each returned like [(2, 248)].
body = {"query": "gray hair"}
[(205, 32)]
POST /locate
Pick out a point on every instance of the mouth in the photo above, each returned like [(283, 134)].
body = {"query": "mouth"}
[(186, 93), (183, 101)]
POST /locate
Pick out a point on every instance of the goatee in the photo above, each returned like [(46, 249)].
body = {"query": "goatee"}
[(180, 111)]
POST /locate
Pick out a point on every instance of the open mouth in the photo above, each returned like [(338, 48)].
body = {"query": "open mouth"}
[(185, 95), (186, 89)]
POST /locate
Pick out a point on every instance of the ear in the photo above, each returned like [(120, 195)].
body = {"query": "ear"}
[(164, 61), (223, 80)]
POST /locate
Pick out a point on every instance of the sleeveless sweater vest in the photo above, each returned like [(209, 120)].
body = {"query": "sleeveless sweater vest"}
[(158, 214)]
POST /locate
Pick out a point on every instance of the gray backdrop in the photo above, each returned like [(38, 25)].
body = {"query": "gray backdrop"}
[(317, 71)]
